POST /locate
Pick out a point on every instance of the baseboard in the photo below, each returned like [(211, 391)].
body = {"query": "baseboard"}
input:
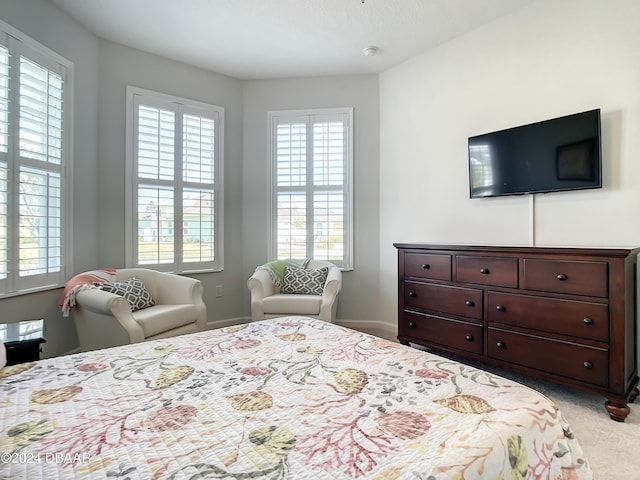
[(70, 352), (227, 322), (374, 327)]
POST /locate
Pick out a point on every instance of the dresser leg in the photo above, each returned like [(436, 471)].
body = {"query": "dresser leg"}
[(617, 408)]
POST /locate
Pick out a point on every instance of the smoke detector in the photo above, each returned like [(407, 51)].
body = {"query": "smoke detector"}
[(370, 51)]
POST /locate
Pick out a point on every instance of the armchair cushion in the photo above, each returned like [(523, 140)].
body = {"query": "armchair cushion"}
[(304, 281), (161, 318), (292, 304), (133, 290)]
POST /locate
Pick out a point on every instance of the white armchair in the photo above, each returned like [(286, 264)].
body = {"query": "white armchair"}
[(104, 319), (267, 301)]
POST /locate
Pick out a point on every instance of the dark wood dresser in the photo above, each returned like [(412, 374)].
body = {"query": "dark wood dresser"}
[(565, 315)]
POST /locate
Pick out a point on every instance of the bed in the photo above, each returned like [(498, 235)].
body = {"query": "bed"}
[(286, 398)]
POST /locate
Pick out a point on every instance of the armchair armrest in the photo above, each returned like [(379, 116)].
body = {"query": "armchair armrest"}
[(99, 301), (333, 285), (111, 306), (176, 289), (261, 285), (171, 289)]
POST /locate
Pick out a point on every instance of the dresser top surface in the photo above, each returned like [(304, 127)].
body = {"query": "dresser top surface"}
[(598, 251)]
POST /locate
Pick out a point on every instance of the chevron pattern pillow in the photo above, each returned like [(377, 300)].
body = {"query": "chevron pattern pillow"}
[(133, 290), (304, 281)]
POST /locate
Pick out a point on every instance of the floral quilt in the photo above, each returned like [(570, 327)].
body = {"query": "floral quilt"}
[(288, 398)]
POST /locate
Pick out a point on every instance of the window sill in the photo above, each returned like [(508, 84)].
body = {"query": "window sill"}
[(29, 291)]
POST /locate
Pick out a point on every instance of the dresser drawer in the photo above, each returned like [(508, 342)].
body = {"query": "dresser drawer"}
[(427, 265), (466, 302), (442, 331), (502, 272), (577, 278), (566, 317), (571, 360)]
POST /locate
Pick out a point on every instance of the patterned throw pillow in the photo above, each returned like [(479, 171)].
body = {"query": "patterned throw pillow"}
[(133, 290), (304, 281)]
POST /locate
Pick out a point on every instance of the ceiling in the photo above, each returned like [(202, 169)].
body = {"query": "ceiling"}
[(251, 39)]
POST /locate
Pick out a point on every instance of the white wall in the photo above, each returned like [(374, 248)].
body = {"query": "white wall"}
[(549, 59), (358, 299)]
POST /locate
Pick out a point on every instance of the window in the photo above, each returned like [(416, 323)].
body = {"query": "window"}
[(481, 168), (311, 166), (20, 331), (174, 161), (35, 120)]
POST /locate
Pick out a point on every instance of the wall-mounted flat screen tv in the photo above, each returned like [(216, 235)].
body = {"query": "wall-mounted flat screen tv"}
[(553, 155)]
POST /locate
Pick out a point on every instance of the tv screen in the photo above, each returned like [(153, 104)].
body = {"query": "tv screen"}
[(553, 155)]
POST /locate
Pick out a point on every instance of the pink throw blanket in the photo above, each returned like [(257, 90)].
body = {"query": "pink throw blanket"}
[(81, 282)]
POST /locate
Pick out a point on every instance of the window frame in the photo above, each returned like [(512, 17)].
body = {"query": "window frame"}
[(21, 45), (181, 106), (275, 118)]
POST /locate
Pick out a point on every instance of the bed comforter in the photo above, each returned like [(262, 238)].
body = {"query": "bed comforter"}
[(288, 398)]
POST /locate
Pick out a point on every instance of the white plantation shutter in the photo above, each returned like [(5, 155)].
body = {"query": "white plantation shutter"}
[(291, 181), (4, 167), (175, 164), (199, 149), (156, 143), (198, 225), (311, 158), (40, 177), (198, 196), (40, 113), (155, 173), (156, 219), (34, 114), (329, 189), (39, 203), (4, 228), (4, 99)]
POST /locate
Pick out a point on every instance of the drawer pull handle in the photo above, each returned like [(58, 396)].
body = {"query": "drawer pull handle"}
[(469, 338), (588, 365), (412, 294), (412, 324), (587, 321), (500, 308), (500, 345), (561, 276), (469, 303), (484, 271), (426, 266)]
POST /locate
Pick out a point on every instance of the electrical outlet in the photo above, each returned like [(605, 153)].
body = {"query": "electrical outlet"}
[(219, 290)]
